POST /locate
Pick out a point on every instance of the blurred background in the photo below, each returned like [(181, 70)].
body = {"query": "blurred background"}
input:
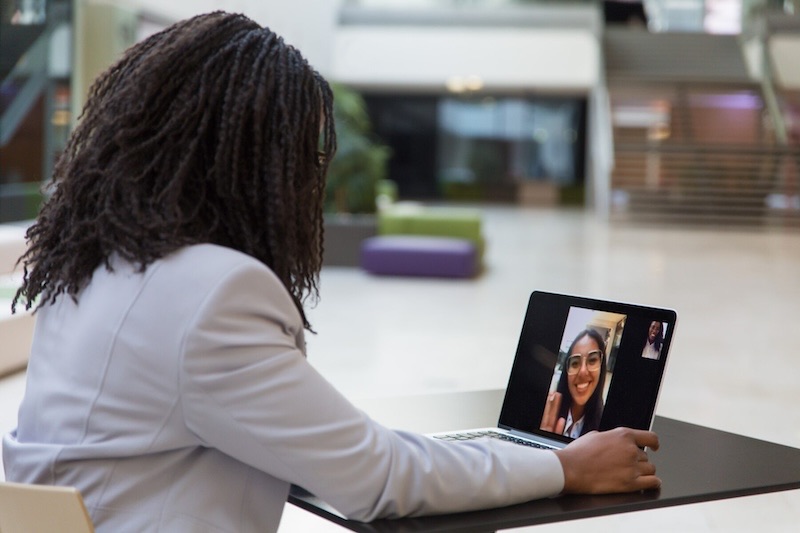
[(666, 110), (646, 151)]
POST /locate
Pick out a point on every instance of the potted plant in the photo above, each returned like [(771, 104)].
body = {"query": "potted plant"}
[(359, 165), (360, 162)]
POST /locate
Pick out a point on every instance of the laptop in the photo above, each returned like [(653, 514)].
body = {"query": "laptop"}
[(607, 356), (582, 364)]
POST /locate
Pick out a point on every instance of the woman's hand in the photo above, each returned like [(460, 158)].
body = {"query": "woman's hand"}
[(550, 422), (609, 461)]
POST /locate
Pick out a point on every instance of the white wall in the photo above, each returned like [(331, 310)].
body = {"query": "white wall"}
[(306, 24), (408, 56), (504, 58)]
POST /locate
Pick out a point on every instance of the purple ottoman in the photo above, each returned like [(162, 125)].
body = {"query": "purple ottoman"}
[(408, 255)]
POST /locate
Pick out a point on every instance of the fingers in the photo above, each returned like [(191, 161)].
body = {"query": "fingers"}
[(647, 469), (645, 439), (560, 426), (642, 438), (648, 483), (551, 408), (547, 420), (549, 416), (646, 480), (557, 397)]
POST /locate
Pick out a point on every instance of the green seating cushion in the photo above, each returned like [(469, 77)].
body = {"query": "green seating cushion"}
[(460, 223)]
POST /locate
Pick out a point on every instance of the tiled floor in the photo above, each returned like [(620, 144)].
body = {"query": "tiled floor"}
[(733, 364)]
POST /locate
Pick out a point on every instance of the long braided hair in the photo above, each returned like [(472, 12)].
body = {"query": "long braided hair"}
[(211, 131)]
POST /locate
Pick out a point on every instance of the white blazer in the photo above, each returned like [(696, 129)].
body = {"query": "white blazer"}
[(179, 399)]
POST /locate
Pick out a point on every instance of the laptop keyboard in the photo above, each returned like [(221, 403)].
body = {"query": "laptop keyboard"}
[(494, 435)]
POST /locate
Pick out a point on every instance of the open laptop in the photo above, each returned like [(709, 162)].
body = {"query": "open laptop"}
[(601, 361), (622, 381)]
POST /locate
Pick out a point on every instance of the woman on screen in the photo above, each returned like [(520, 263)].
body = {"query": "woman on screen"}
[(576, 406), (655, 337)]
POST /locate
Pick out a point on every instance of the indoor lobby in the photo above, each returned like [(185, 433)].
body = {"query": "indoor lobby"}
[(735, 288)]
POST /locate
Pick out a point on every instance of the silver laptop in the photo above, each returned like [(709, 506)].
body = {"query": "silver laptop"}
[(582, 364)]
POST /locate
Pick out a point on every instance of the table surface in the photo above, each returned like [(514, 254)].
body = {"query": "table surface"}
[(695, 464)]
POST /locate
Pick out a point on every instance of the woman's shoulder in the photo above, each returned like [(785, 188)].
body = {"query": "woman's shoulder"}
[(211, 254), (221, 280), (191, 277), (202, 267), (212, 260)]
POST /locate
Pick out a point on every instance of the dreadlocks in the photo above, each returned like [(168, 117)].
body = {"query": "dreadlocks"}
[(211, 131)]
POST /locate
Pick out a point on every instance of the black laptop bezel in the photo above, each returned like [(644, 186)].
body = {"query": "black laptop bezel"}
[(537, 354)]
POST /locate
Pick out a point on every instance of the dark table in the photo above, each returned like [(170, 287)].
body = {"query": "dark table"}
[(695, 463)]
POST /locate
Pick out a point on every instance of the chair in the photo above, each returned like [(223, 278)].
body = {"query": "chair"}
[(42, 509)]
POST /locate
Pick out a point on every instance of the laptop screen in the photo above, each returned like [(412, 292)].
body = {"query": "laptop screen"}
[(584, 364)]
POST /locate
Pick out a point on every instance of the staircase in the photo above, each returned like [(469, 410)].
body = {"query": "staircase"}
[(693, 142)]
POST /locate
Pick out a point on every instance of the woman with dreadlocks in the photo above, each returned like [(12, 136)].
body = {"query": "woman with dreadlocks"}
[(168, 379)]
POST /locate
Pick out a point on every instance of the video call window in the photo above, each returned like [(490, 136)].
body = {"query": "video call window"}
[(582, 374), (655, 339)]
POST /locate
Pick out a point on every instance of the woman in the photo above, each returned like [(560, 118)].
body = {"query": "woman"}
[(168, 379), (576, 406), (655, 336)]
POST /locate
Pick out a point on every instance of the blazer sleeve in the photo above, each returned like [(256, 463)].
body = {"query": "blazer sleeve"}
[(248, 391)]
